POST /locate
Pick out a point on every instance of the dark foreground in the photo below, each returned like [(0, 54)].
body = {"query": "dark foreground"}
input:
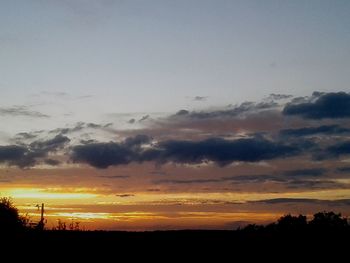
[(254, 243), (291, 238)]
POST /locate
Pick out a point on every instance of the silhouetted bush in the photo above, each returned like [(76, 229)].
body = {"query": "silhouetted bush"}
[(10, 220), (329, 220), (292, 223)]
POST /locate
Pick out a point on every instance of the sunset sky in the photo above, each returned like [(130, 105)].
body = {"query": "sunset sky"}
[(159, 114)]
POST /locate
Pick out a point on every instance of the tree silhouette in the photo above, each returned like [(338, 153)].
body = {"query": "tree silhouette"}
[(328, 220), (292, 223), (10, 220)]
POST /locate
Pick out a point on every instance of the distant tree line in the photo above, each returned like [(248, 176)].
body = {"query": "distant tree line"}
[(322, 222), (12, 221)]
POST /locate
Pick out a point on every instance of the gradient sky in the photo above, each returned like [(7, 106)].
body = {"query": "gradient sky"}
[(139, 115)]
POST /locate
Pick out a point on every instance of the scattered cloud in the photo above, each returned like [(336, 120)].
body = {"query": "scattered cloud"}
[(320, 106), (274, 96), (313, 172), (339, 149), (102, 155), (200, 98), (320, 130), (25, 156), (125, 195), (304, 200), (231, 112), (52, 162), (217, 150), (11, 154), (114, 176), (344, 169), (79, 126), (23, 111), (144, 118)]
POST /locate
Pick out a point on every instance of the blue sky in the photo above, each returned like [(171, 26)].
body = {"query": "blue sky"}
[(153, 56), (121, 110)]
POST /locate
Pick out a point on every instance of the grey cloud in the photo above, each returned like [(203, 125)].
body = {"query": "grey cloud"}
[(236, 111), (340, 202), (220, 151), (125, 195), (144, 118), (12, 153), (23, 111), (52, 162), (79, 126), (321, 106), (25, 156), (309, 131), (50, 145), (200, 98), (114, 176), (274, 96), (345, 169), (26, 135), (313, 172), (338, 150)]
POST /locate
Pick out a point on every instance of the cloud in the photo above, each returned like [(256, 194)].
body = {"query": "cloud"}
[(57, 94), (321, 106), (137, 140), (200, 98), (26, 135), (314, 172), (24, 156), (103, 155), (274, 96), (290, 176), (23, 111), (114, 176), (144, 118), (194, 181), (50, 145), (235, 111), (79, 126), (307, 131), (345, 169), (125, 195), (220, 151), (339, 149), (259, 178), (52, 162), (339, 202), (12, 153)]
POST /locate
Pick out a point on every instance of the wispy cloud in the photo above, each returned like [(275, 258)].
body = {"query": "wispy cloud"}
[(23, 111)]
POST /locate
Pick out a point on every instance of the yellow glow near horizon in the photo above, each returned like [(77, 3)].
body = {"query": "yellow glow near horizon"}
[(43, 194)]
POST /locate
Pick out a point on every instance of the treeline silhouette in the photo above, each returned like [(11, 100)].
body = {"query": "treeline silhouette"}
[(11, 221), (327, 231)]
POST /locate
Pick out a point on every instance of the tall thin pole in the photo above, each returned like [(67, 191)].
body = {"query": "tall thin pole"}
[(42, 213), (41, 223)]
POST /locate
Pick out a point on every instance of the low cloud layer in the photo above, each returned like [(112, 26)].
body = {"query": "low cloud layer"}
[(320, 130), (321, 106), (22, 111), (25, 156), (217, 150)]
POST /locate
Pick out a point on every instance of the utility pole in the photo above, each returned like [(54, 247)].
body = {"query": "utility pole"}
[(41, 223)]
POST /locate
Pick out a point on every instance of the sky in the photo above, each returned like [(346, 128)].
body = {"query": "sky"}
[(144, 115)]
